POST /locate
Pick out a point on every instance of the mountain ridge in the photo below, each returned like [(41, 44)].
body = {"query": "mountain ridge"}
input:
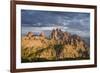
[(59, 46)]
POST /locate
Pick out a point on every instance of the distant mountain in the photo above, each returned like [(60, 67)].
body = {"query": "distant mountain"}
[(59, 46)]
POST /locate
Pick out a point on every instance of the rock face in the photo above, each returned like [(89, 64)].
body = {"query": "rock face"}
[(30, 34), (73, 45), (57, 34), (42, 34), (60, 46)]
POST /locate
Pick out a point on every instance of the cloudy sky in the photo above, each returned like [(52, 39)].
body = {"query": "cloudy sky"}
[(73, 22)]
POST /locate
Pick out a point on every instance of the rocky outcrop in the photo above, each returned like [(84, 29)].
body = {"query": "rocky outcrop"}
[(60, 46), (56, 34), (73, 45), (42, 34), (30, 34)]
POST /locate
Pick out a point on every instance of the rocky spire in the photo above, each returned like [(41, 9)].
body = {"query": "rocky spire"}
[(42, 34), (30, 34)]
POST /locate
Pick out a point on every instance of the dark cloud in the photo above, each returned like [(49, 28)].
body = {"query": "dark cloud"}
[(71, 20)]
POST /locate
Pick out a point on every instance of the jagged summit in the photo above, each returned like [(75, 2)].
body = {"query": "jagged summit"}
[(65, 37), (60, 46)]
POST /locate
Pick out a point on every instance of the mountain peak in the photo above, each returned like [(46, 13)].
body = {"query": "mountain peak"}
[(60, 46)]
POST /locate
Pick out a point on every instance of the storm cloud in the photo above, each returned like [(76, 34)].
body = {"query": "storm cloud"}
[(74, 22)]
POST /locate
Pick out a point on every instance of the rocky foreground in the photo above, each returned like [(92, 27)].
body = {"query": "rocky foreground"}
[(59, 46)]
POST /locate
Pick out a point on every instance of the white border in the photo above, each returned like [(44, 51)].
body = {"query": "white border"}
[(20, 65)]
